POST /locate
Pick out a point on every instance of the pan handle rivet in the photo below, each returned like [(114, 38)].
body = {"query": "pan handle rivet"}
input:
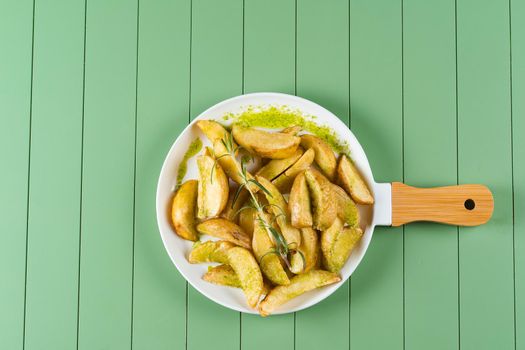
[(470, 204)]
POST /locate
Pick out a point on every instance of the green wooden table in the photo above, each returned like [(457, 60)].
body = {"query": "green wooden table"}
[(93, 93)]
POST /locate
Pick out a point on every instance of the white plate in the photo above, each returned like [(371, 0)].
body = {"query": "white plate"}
[(178, 249)]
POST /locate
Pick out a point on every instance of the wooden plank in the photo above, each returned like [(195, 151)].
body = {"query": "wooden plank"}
[(108, 176), (216, 74), (269, 48), (486, 306), (431, 260), (269, 65), (518, 130), (322, 76), (376, 318), (16, 40), (159, 291), (54, 203)]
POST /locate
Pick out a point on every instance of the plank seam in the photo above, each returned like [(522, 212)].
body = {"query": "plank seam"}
[(134, 178), (28, 174), (81, 172), (457, 161), (512, 175)]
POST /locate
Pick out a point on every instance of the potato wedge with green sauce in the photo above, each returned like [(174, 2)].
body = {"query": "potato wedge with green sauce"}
[(347, 211), (324, 155), (309, 249), (324, 207), (210, 251), (226, 231), (300, 284), (299, 203), (224, 275), (351, 180), (270, 263), (183, 210), (279, 208), (337, 244), (241, 261), (274, 145), (213, 188), (213, 130), (284, 181), (276, 167), (247, 270)]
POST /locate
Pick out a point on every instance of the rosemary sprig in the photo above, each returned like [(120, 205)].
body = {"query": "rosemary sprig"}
[(282, 249)]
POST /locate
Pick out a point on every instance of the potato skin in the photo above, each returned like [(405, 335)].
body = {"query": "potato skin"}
[(210, 251), (275, 167), (299, 203), (266, 144), (324, 155), (225, 230), (183, 210), (347, 211), (230, 165), (351, 180), (279, 207), (213, 130), (337, 244), (284, 181), (298, 285), (325, 208), (310, 250), (224, 275), (248, 272), (270, 263)]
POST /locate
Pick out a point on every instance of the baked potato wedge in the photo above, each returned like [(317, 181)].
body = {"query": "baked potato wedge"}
[(230, 164), (299, 203), (213, 130), (226, 231), (210, 251), (231, 208), (298, 285), (213, 188), (183, 210), (337, 243), (247, 270), (224, 275), (292, 130), (274, 145), (351, 180), (310, 252), (270, 263), (325, 208), (324, 155), (284, 181), (275, 167), (279, 208), (347, 211), (246, 219)]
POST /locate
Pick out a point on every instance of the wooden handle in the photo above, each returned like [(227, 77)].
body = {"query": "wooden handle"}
[(463, 205)]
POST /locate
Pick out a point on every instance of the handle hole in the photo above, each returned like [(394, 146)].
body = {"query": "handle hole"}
[(470, 204)]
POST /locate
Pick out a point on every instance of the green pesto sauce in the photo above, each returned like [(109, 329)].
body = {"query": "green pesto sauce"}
[(273, 117), (193, 149)]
